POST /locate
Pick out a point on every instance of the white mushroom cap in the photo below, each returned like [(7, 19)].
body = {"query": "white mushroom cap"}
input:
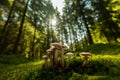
[(50, 50), (85, 54), (45, 57), (56, 45), (69, 54), (59, 44), (64, 46)]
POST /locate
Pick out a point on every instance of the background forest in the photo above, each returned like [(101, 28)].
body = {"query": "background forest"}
[(28, 27)]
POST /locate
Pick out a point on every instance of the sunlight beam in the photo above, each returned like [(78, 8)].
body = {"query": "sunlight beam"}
[(53, 22)]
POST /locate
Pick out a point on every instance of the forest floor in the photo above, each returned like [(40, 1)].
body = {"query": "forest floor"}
[(103, 65)]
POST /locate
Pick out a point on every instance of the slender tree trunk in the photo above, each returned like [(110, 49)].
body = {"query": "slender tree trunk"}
[(48, 35), (70, 34), (3, 33), (114, 32), (33, 43), (62, 35), (88, 31), (15, 48)]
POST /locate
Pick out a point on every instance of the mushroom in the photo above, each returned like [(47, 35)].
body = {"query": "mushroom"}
[(50, 54), (69, 54), (46, 58), (60, 47), (56, 45), (86, 55)]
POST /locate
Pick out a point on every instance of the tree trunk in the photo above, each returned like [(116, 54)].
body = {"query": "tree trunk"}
[(3, 33), (15, 48), (88, 31), (33, 43)]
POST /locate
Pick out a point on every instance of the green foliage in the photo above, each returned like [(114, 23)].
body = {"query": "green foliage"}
[(100, 67), (108, 49), (51, 74), (17, 70), (12, 59), (76, 76), (34, 31), (4, 3)]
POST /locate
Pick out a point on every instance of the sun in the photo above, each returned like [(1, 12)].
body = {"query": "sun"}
[(53, 22), (59, 4)]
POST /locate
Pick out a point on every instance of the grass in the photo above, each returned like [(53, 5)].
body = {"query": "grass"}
[(103, 65), (103, 49), (17, 70), (100, 67)]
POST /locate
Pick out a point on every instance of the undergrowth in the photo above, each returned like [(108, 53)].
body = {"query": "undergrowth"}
[(104, 49), (104, 64), (100, 68)]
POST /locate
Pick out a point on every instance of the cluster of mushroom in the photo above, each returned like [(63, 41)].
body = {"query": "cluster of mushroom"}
[(53, 55)]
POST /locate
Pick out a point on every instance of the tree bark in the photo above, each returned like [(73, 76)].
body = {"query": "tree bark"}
[(3, 33), (33, 42), (15, 48), (88, 31)]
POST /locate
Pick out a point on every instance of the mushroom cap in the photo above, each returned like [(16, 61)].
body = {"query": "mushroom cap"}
[(69, 54), (85, 54), (50, 49), (56, 45), (64, 46), (45, 57)]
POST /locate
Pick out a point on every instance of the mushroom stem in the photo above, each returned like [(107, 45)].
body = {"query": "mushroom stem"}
[(62, 57), (69, 54), (86, 55), (85, 62), (51, 59), (45, 57), (56, 57), (68, 61), (50, 54)]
